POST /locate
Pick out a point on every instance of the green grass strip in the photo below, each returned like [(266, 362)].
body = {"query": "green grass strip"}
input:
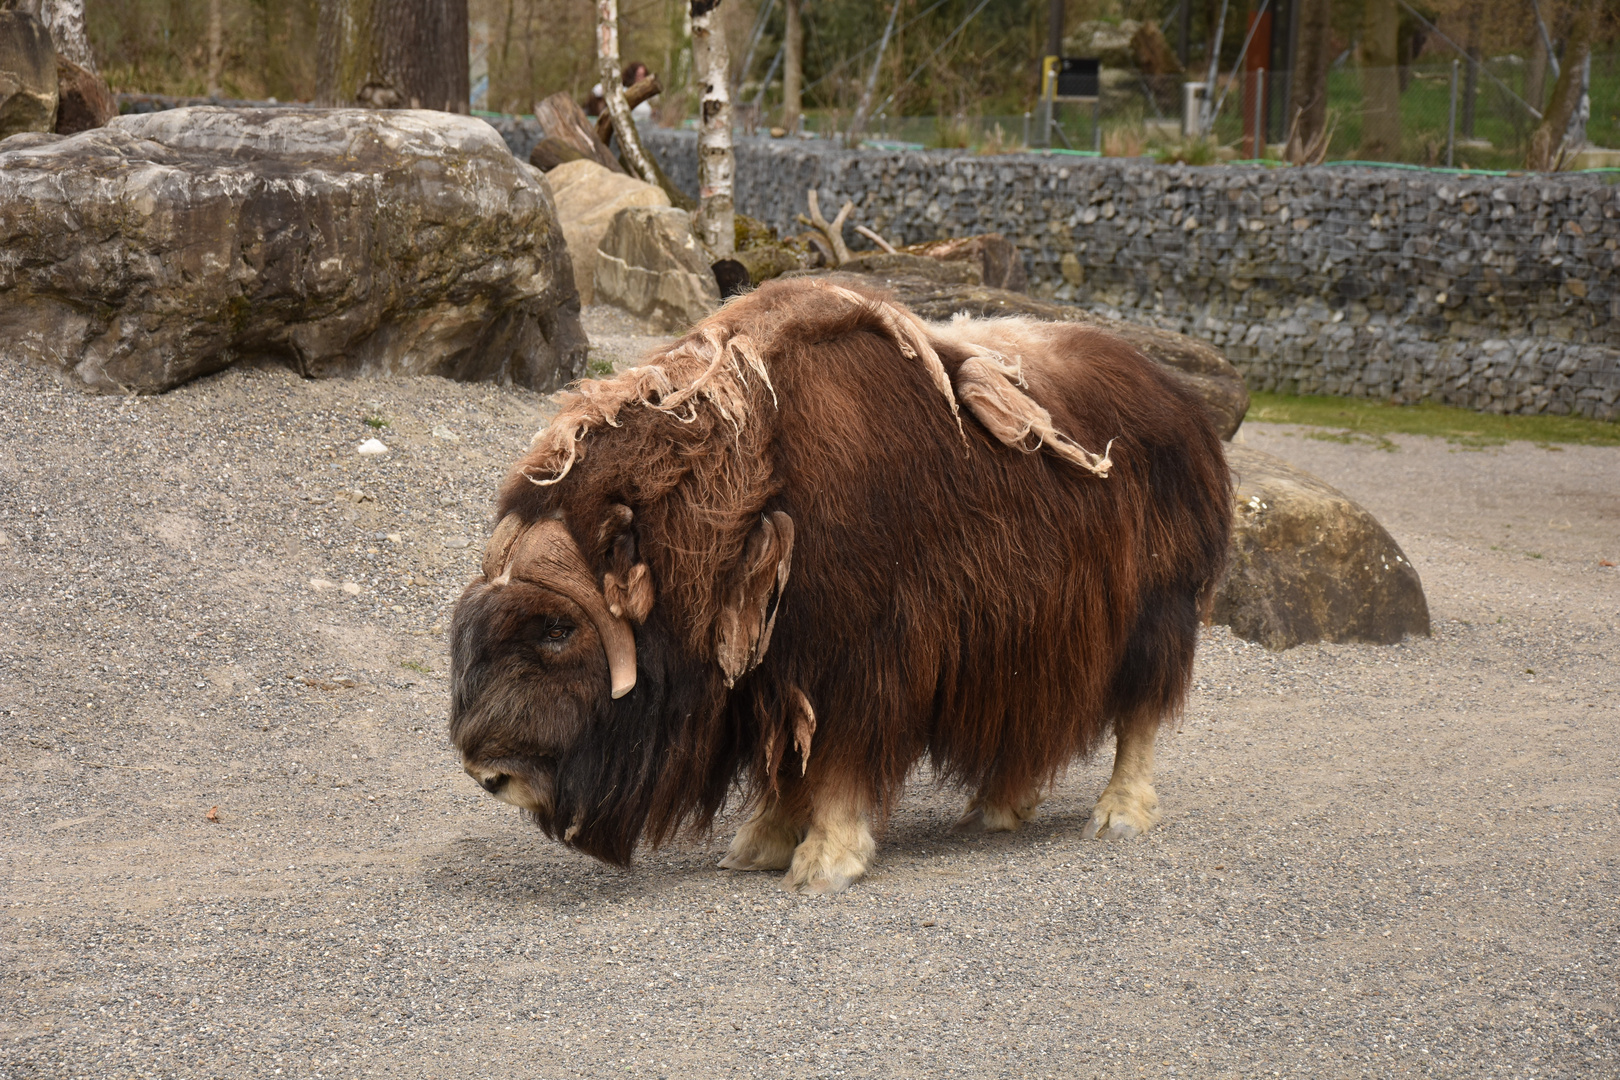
[(1358, 420)]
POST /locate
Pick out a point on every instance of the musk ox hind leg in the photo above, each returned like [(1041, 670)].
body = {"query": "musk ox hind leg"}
[(1149, 686), (766, 840), (1128, 806), (837, 848), (990, 813)]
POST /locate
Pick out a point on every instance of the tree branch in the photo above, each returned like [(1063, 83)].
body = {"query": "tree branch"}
[(646, 88)]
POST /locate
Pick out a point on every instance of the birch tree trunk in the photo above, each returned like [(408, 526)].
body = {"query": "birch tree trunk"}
[(607, 70), (716, 221), (1547, 141), (792, 67), (393, 54), (65, 20)]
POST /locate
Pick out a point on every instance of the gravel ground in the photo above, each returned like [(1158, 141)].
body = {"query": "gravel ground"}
[(1375, 861)]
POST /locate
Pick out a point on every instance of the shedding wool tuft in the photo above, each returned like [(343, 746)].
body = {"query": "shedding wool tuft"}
[(712, 364), (990, 384)]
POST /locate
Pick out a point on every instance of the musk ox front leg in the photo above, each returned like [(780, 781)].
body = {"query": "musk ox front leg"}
[(766, 840), (837, 848), (1128, 806)]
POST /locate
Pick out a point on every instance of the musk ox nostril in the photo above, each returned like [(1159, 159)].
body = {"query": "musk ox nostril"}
[(493, 784)]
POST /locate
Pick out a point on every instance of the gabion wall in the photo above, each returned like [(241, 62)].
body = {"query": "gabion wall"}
[(1496, 293)]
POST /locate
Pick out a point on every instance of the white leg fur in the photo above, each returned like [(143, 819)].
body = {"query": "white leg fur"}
[(765, 842), (837, 849), (981, 816), (1128, 806)]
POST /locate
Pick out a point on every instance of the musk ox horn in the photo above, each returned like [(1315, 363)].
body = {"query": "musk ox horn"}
[(498, 551), (748, 615), (545, 554)]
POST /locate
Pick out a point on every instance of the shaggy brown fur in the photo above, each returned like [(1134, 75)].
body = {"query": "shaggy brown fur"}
[(1001, 536)]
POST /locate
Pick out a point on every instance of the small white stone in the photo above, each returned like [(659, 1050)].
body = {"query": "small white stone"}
[(372, 446), (320, 584), (395, 538), (351, 588), (446, 434)]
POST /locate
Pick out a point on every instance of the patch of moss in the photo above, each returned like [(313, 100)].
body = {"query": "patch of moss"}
[(1370, 422)]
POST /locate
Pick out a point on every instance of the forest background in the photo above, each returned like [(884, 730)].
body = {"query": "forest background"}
[(524, 50)]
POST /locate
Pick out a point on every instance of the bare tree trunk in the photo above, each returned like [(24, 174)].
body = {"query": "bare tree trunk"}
[(864, 105), (393, 54), (792, 66), (216, 46), (1470, 93), (65, 20), (1380, 85), (1547, 141), (607, 70), (716, 220), (1535, 74), (1314, 53)]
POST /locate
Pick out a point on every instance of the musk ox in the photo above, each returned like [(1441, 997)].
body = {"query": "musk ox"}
[(817, 539)]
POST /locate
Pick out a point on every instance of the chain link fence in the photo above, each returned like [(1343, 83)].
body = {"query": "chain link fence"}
[(1431, 113)]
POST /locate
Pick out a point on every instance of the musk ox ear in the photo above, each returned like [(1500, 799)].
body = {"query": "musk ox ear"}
[(619, 517), (754, 596), (630, 597), (627, 585)]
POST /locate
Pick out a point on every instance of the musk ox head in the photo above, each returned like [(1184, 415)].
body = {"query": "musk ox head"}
[(537, 643), (572, 701)]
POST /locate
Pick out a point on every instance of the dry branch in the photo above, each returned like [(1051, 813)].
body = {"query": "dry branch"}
[(876, 239), (833, 231)]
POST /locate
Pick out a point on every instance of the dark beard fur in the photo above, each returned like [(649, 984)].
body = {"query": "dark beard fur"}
[(651, 760)]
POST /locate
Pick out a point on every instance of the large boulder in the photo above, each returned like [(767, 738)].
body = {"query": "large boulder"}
[(588, 196), (1308, 564), (28, 93), (344, 242), (1196, 365), (651, 265), (83, 100)]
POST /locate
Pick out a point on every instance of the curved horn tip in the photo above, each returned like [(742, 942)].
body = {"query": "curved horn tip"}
[(621, 689)]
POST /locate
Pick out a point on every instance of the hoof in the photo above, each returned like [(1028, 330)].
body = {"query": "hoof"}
[(765, 842), (1120, 817), (979, 818), (822, 865)]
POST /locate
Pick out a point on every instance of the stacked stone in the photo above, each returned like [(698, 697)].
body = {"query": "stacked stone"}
[(1495, 293)]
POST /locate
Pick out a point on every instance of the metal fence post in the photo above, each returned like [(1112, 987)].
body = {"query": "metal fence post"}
[(1451, 120), (1096, 121), (1026, 130)]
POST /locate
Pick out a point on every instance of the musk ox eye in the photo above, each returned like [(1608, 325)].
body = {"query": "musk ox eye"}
[(554, 633)]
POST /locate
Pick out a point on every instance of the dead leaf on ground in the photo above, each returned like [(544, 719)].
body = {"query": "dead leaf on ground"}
[(213, 814)]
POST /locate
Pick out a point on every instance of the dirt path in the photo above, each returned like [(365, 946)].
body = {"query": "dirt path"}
[(1374, 861)]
